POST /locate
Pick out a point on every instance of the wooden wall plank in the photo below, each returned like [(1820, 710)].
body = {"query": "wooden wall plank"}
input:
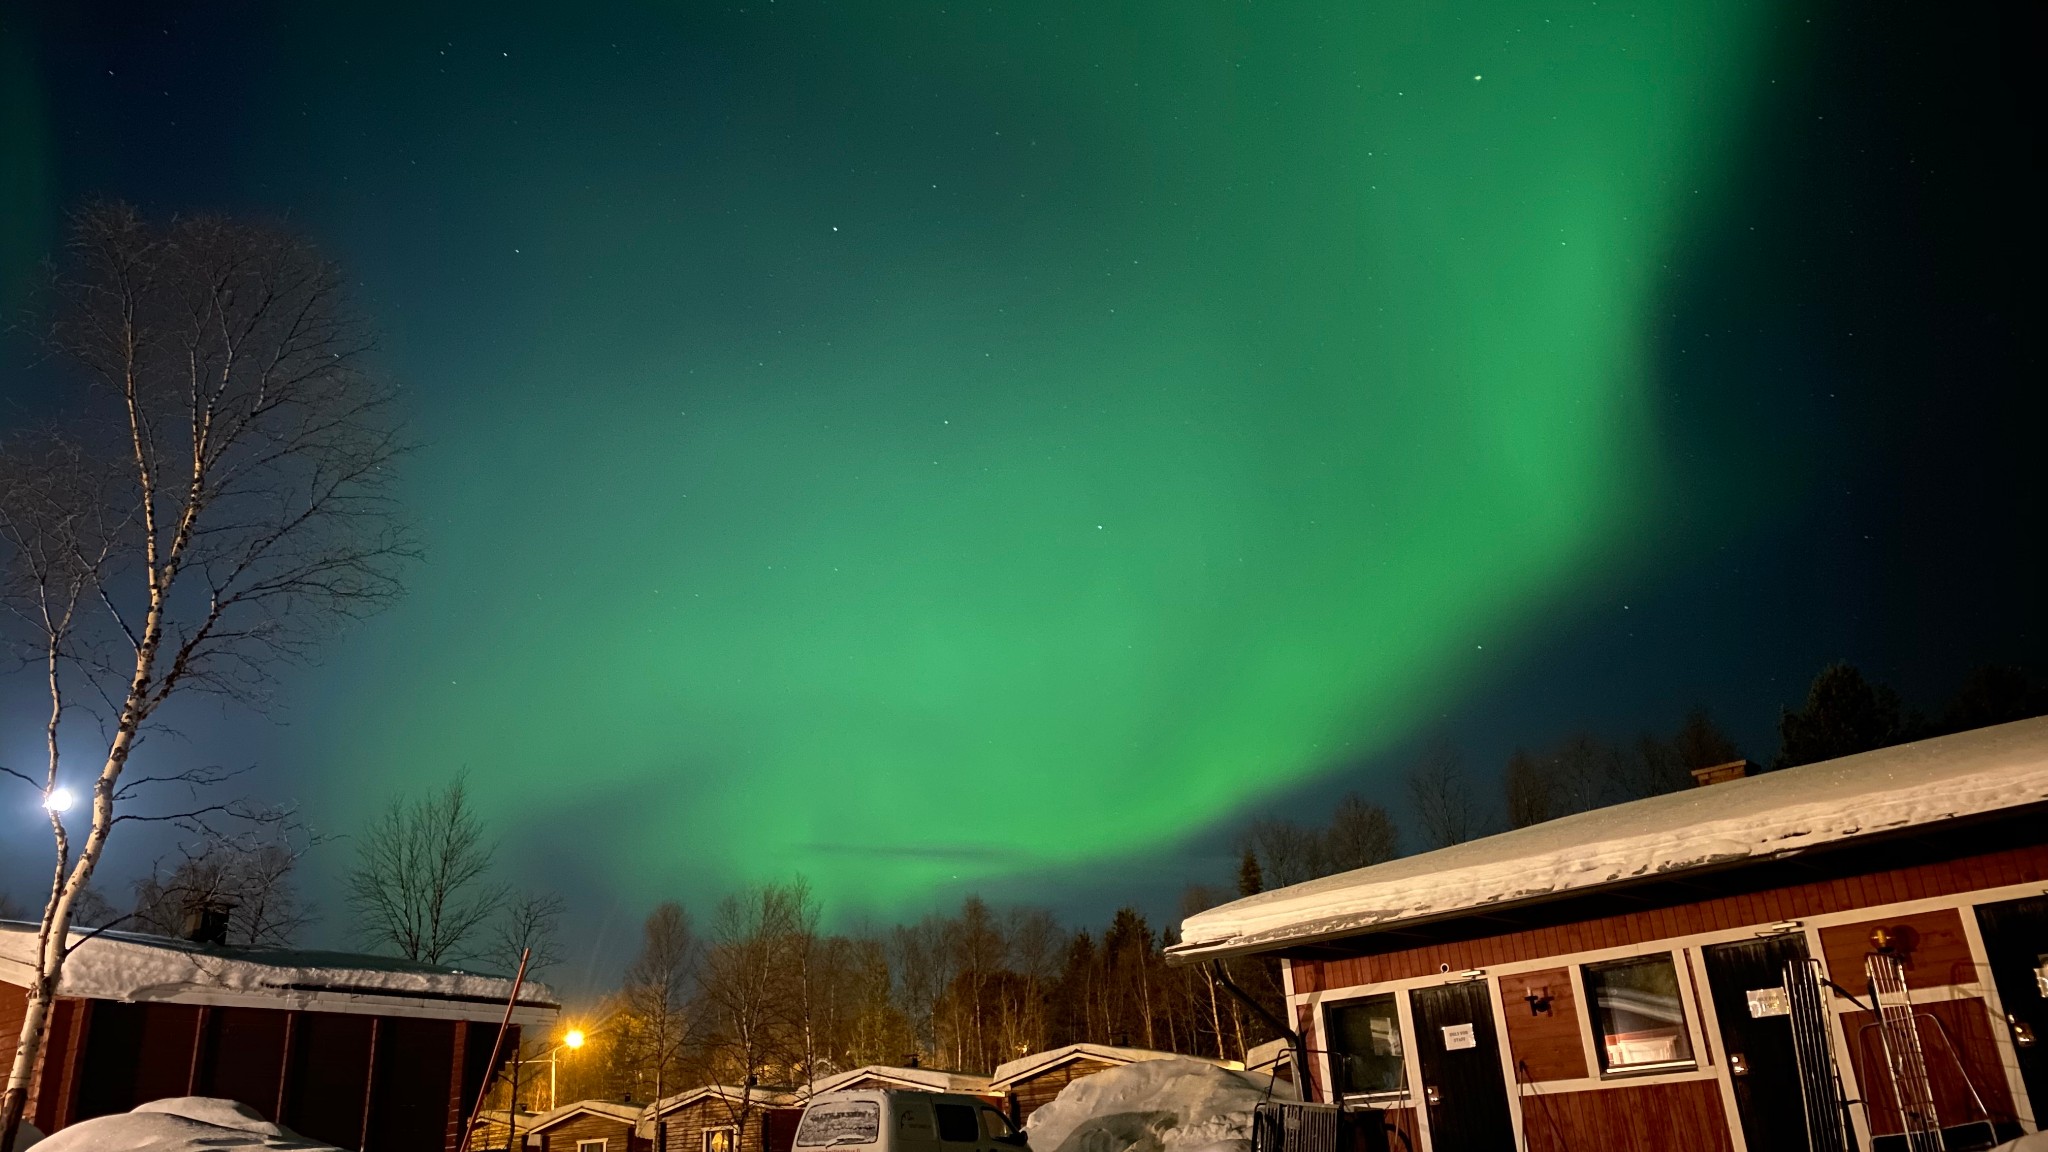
[(1544, 1047), (1681, 1117)]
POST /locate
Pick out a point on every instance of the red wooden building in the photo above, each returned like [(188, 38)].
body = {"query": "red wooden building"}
[(1852, 954), (363, 1052)]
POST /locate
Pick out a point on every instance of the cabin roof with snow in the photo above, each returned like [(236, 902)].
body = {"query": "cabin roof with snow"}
[(132, 967), (891, 1076), (761, 1097), (1039, 1063), (629, 1114), (1902, 790)]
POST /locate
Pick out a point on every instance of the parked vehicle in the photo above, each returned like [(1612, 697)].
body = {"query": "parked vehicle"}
[(887, 1120)]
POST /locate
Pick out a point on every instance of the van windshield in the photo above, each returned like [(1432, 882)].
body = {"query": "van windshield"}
[(853, 1122)]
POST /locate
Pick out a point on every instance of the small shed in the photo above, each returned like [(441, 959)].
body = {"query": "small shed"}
[(1028, 1083), (1852, 953), (708, 1119), (347, 1049)]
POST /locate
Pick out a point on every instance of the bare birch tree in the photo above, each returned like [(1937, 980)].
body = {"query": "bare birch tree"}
[(250, 872), (655, 1001), (232, 507), (748, 974)]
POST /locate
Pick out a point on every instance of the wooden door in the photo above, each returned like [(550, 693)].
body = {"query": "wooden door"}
[(1462, 1085), (1747, 981), (2016, 943)]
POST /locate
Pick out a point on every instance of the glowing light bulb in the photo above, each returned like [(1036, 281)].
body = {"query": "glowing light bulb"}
[(59, 799), (574, 1039)]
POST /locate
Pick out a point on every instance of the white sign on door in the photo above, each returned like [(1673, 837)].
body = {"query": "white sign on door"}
[(1768, 1002), (1458, 1036)]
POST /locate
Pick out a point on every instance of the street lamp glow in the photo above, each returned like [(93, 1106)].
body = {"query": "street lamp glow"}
[(574, 1039), (58, 799)]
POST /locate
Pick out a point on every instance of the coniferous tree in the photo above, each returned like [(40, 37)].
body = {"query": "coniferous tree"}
[(1250, 879), (1844, 714)]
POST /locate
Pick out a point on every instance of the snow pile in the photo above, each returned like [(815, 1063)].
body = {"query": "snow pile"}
[(1176, 1105), (2032, 1142), (1799, 809), (182, 1124)]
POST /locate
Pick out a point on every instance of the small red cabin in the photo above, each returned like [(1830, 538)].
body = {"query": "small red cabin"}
[(356, 1051), (1851, 954)]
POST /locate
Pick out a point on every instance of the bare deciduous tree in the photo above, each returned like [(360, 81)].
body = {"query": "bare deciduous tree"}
[(655, 1002), (747, 993), (250, 873), (229, 507), (529, 924), (1361, 834), (1443, 801), (420, 882)]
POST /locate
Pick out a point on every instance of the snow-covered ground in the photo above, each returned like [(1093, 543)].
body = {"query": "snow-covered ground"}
[(181, 1124), (1176, 1105)]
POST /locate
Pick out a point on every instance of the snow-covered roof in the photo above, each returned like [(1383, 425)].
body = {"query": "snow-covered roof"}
[(609, 1109), (1903, 788), (135, 967), (761, 1097), (921, 1079), (1025, 1067)]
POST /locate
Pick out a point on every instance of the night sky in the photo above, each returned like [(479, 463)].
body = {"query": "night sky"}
[(941, 447)]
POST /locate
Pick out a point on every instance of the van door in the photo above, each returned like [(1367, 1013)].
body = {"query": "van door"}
[(2016, 943), (1462, 1084), (1747, 982)]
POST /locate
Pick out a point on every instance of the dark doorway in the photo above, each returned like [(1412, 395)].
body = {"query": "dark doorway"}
[(1462, 1083), (1747, 980), (2016, 942)]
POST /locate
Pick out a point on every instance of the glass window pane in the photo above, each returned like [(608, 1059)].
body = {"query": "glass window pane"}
[(957, 1124), (1638, 1018), (1365, 1045), (850, 1122)]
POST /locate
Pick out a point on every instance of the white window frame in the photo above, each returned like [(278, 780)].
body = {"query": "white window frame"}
[(704, 1141), (597, 1145)]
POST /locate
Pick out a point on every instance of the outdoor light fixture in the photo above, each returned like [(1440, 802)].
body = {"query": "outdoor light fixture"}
[(58, 799), (1782, 927), (1539, 1001), (574, 1039)]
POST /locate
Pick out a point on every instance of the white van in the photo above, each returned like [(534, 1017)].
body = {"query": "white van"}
[(905, 1120)]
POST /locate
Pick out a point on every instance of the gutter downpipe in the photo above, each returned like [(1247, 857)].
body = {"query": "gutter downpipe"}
[(1304, 1082)]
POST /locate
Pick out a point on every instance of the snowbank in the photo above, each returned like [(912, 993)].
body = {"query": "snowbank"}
[(181, 1124), (1176, 1105), (2032, 1142)]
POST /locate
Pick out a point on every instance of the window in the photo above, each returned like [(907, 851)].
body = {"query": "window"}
[(996, 1126), (719, 1139), (590, 1146), (1365, 1046), (1638, 1018), (849, 1122), (957, 1124)]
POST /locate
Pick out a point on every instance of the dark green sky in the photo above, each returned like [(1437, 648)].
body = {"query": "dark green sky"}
[(931, 445)]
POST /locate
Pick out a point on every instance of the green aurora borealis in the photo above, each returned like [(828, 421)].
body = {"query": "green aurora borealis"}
[(836, 417)]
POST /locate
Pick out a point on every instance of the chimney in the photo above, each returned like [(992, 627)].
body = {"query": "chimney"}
[(1719, 773), (206, 921)]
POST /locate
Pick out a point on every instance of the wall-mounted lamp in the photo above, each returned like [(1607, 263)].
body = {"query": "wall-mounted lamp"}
[(1782, 927), (1472, 974), (1539, 1001)]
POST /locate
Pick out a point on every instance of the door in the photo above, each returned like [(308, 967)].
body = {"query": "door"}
[(1462, 1085), (1747, 981), (2016, 943)]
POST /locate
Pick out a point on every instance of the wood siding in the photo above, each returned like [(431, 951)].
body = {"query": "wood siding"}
[(1967, 1022), (311, 1071), (617, 1134), (1035, 1092), (768, 1130), (1931, 945), (2024, 865), (1681, 1117), (1545, 1046), (1404, 1133)]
